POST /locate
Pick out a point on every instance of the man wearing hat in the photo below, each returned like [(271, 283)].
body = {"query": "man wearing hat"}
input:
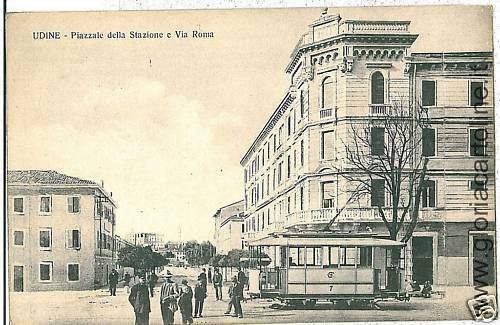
[(168, 299), (186, 303), (236, 295), (139, 299)]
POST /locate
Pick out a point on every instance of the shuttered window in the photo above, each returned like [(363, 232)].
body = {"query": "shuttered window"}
[(476, 93), (428, 142), (73, 238), (377, 141), (477, 142), (428, 93), (377, 88), (378, 192), (73, 204)]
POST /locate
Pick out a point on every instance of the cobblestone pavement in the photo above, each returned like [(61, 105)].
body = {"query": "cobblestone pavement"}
[(97, 307)]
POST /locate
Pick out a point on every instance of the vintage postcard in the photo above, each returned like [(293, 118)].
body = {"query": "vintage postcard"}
[(251, 166)]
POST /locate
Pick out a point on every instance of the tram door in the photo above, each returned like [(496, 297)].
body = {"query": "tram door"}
[(422, 259)]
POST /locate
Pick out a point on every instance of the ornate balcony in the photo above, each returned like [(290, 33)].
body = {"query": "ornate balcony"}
[(325, 113), (379, 109), (374, 26)]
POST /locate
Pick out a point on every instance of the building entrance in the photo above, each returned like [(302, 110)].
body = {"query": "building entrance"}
[(422, 259)]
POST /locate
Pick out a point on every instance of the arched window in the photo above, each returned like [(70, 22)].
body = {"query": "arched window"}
[(327, 93), (377, 88)]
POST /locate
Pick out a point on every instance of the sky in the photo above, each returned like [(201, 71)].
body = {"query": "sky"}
[(165, 123)]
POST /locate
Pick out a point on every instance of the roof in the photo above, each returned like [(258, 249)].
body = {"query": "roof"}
[(330, 241), (44, 177)]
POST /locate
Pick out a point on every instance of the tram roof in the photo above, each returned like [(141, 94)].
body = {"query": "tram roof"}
[(311, 241)]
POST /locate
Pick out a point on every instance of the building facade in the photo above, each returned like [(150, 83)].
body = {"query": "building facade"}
[(229, 227), (154, 240), (60, 232), (348, 73)]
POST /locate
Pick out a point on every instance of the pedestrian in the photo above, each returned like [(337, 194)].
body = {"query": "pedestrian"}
[(217, 281), (427, 289), (168, 299), (126, 282), (153, 278), (113, 281), (203, 277), (200, 293), (236, 295), (139, 299), (242, 279), (209, 275), (186, 303)]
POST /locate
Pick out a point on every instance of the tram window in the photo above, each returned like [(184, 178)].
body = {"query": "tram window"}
[(333, 256), (294, 256), (301, 255), (348, 256), (314, 256), (365, 256)]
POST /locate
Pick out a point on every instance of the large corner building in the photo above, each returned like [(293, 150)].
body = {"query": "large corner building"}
[(345, 72)]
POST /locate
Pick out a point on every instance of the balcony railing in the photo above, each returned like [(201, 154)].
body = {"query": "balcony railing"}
[(325, 113), (348, 215), (373, 26), (379, 109)]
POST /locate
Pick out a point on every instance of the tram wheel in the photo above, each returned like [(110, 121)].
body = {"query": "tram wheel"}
[(311, 303)]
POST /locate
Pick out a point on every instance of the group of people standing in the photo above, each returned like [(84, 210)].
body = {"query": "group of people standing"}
[(175, 297)]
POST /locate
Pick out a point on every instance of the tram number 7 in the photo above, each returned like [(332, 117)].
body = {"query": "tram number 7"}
[(331, 287)]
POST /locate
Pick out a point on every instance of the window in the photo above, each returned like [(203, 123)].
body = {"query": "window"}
[(73, 204), (45, 204), (45, 274), (274, 178), (263, 156), (289, 125), (280, 136), (477, 142), (428, 142), (19, 205), (327, 141), (333, 255), (428, 93), (262, 189), (295, 159), (18, 238), (279, 172), (476, 93), (365, 256), (302, 104), (348, 256), (267, 188), (289, 166), (288, 205), (327, 194), (429, 194), (327, 93), (301, 198), (274, 142), (378, 193), (73, 272), (45, 238), (377, 87), (302, 152), (73, 238), (268, 150), (377, 141)]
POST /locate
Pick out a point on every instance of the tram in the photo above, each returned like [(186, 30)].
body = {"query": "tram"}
[(335, 267)]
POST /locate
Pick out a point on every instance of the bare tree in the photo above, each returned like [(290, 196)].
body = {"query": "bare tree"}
[(387, 148)]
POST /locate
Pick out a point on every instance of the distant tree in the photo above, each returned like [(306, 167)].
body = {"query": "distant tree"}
[(234, 256), (198, 253), (142, 258)]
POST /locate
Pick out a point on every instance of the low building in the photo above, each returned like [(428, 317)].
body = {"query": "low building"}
[(229, 227), (154, 240), (60, 232)]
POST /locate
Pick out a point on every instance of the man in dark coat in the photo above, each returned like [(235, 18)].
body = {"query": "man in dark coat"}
[(209, 275), (126, 282), (217, 284), (153, 278), (186, 303), (236, 295), (200, 293), (203, 277), (139, 299), (113, 281)]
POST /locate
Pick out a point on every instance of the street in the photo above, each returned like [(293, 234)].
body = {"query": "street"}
[(88, 307)]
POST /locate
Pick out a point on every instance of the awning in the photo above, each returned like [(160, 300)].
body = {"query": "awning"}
[(328, 241)]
